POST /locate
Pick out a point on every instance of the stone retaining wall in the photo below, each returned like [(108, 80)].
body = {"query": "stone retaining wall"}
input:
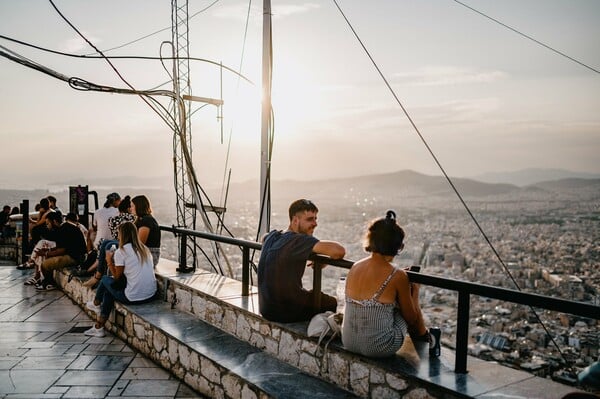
[(342, 368)]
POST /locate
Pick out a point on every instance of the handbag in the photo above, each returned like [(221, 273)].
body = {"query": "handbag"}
[(327, 324)]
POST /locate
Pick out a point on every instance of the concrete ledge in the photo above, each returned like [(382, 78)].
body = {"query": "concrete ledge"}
[(213, 300), (208, 359)]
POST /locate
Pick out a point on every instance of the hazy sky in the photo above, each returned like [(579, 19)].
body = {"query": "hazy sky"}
[(485, 98)]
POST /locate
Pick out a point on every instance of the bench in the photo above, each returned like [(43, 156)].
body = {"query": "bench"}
[(182, 330)]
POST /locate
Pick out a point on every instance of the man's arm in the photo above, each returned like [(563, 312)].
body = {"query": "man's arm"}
[(332, 249)]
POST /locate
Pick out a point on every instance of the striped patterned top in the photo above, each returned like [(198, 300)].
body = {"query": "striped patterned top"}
[(372, 328)]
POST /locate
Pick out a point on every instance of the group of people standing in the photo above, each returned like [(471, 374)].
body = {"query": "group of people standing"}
[(382, 305)]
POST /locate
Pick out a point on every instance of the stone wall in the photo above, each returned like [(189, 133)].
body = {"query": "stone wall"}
[(346, 370)]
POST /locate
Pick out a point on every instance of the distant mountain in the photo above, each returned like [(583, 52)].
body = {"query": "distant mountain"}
[(531, 176), (408, 183), (568, 185)]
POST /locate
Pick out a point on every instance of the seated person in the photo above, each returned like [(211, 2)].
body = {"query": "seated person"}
[(69, 251), (381, 304), (98, 268), (131, 261), (283, 258)]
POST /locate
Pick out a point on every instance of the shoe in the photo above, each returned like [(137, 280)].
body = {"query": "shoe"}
[(91, 282), (93, 307), (95, 332), (45, 287), (33, 281), (25, 266)]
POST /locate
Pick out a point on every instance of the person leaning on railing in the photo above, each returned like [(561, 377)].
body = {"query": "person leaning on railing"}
[(381, 304), (283, 258)]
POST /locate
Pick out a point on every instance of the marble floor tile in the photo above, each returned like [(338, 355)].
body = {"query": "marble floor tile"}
[(146, 373), (27, 381), (87, 392), (45, 363), (81, 362), (7, 362), (91, 378), (147, 388), (110, 363)]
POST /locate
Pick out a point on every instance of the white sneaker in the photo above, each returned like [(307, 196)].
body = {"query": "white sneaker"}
[(93, 307), (95, 332)]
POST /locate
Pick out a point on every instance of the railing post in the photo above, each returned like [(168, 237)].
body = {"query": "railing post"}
[(183, 254), (245, 271), (316, 285), (24, 230), (462, 332)]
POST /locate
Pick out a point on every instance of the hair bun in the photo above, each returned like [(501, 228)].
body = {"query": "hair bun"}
[(390, 216)]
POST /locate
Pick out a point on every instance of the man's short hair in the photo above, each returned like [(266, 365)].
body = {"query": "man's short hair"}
[(54, 217), (302, 205), (51, 198), (72, 217)]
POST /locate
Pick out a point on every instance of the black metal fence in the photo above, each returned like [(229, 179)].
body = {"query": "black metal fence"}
[(463, 288)]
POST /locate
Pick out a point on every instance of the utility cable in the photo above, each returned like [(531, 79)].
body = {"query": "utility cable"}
[(237, 89), (129, 57), (448, 179), (527, 36), (158, 31)]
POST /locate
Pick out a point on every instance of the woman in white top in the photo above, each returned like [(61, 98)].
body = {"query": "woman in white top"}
[(131, 264)]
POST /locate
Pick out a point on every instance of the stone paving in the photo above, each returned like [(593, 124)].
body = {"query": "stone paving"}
[(44, 354)]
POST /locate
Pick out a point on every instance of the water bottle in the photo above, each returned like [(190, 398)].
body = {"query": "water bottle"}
[(340, 294), (434, 344)]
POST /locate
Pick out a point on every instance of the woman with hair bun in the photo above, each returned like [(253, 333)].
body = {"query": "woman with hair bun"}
[(382, 305)]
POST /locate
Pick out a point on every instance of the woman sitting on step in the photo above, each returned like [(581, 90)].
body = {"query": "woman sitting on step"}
[(381, 304), (132, 280)]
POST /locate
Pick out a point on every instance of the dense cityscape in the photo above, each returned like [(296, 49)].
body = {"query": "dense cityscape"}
[(548, 244)]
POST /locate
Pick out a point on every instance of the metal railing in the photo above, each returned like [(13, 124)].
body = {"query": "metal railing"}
[(463, 288)]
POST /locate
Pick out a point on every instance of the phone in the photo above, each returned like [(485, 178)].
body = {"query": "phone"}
[(415, 269)]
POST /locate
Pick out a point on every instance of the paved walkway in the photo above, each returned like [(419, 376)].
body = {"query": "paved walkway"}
[(44, 354)]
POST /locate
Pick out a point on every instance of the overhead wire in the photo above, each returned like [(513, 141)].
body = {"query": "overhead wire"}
[(158, 31), (518, 32), (130, 57), (447, 177)]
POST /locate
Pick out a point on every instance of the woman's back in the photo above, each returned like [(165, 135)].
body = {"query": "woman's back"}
[(373, 325)]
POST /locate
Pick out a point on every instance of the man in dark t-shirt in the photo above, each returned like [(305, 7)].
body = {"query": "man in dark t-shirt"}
[(283, 258), (69, 251)]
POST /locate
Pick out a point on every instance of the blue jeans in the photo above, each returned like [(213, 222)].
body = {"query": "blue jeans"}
[(106, 295), (102, 248)]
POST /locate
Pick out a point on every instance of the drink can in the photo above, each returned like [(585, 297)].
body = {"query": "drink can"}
[(434, 344)]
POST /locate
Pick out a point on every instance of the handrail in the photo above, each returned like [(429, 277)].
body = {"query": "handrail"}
[(465, 289)]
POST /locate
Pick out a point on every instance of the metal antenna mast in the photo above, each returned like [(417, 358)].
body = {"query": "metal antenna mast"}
[(182, 137), (188, 192)]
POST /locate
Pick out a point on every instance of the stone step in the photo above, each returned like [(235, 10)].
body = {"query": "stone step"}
[(213, 361), (208, 359)]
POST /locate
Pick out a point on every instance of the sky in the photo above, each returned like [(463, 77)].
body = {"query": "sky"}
[(484, 98)]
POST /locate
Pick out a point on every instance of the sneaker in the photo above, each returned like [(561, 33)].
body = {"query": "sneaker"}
[(45, 287), (25, 266), (95, 332), (93, 307), (33, 281)]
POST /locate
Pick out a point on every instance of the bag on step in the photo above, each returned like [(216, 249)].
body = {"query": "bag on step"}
[(327, 324)]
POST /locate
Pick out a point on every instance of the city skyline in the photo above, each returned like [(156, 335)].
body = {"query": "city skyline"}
[(485, 98)]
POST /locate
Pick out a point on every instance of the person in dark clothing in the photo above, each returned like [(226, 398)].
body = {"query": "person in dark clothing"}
[(148, 228), (283, 259), (69, 251)]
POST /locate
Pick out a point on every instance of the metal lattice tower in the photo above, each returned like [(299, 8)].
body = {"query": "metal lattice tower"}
[(182, 137)]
